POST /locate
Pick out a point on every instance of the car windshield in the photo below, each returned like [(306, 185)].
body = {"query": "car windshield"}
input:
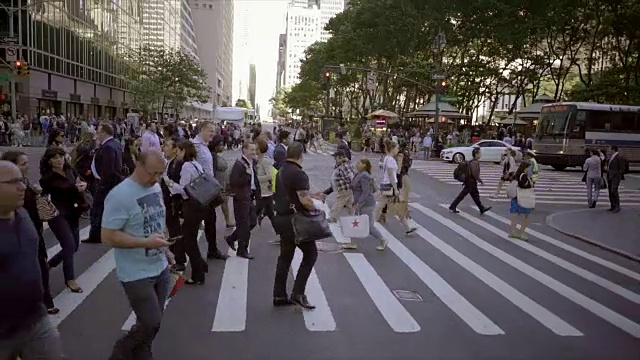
[(553, 121)]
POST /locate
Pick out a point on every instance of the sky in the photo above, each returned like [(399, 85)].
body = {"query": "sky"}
[(257, 25)]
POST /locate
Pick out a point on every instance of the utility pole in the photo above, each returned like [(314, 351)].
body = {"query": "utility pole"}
[(12, 70), (438, 45)]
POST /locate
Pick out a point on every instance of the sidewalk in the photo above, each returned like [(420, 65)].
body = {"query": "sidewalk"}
[(617, 233)]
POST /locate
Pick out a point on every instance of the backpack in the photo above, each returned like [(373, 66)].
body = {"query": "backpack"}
[(461, 173)]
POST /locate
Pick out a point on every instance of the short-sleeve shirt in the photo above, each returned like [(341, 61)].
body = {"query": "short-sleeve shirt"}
[(139, 211), (389, 164), (291, 179)]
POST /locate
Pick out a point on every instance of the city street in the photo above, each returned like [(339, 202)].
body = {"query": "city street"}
[(456, 289)]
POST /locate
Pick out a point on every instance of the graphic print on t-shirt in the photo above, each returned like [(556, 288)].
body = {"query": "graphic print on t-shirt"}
[(153, 216)]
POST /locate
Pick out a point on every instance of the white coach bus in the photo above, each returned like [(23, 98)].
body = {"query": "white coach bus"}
[(566, 130)]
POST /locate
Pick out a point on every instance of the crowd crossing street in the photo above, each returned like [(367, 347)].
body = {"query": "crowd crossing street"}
[(458, 288), (553, 188)]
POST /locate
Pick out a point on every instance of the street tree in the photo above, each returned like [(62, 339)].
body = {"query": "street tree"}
[(244, 103)]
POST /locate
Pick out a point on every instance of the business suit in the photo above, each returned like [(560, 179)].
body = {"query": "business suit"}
[(244, 204), (107, 162), (615, 174), (342, 145), (173, 203)]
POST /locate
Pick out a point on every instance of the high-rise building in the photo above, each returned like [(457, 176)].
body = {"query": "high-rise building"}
[(252, 85), (161, 23), (329, 9), (241, 48), (188, 41), (76, 53), (213, 21), (282, 60), (303, 29)]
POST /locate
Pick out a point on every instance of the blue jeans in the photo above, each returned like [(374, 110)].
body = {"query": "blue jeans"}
[(67, 231), (39, 341)]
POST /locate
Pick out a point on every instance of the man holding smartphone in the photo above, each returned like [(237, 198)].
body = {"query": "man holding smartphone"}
[(133, 224)]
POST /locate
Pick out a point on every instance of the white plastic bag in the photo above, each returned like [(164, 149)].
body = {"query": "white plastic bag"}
[(355, 226)]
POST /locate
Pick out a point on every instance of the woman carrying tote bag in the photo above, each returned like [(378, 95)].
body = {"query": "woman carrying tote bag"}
[(522, 205)]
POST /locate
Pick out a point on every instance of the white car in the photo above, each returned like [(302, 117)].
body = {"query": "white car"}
[(490, 150)]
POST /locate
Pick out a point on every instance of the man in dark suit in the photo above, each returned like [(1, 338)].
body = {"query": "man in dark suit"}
[(343, 145), (107, 170), (618, 166), (173, 202), (280, 151), (244, 184)]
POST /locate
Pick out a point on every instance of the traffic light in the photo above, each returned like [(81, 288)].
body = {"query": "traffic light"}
[(442, 86), (21, 68), (327, 75)]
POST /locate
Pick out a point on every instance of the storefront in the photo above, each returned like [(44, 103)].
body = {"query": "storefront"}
[(125, 109), (74, 106), (110, 110), (95, 110), (48, 103)]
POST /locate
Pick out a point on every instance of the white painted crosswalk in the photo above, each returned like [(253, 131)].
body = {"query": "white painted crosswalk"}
[(471, 246), (552, 187)]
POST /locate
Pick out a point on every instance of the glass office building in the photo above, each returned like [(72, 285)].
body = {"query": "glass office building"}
[(76, 52)]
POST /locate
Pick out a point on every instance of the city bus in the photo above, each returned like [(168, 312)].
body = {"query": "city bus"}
[(566, 130)]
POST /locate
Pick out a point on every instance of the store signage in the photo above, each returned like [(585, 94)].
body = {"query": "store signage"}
[(381, 123), (49, 94), (75, 98), (95, 100)]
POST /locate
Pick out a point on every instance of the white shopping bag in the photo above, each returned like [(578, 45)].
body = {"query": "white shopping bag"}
[(355, 226)]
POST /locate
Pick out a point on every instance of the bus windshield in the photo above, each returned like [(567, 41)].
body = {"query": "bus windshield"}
[(553, 121)]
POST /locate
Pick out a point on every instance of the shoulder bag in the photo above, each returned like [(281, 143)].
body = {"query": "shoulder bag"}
[(46, 209), (512, 189), (526, 197), (204, 189), (386, 189)]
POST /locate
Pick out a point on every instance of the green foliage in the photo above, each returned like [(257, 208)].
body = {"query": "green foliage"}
[(278, 103), (243, 103), (166, 79), (568, 50)]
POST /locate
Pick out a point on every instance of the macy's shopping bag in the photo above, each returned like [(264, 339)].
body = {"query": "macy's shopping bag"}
[(355, 226)]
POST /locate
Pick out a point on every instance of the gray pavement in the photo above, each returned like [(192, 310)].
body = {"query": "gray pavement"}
[(614, 232), (479, 295)]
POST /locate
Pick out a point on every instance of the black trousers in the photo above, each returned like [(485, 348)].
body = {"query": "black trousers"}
[(244, 212), (175, 229), (193, 216), (95, 214), (470, 188), (614, 194), (287, 251), (264, 206)]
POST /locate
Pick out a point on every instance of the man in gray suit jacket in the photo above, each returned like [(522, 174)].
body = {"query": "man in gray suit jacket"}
[(618, 166)]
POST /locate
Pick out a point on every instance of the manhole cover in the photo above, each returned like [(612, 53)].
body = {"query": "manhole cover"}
[(407, 295), (328, 247)]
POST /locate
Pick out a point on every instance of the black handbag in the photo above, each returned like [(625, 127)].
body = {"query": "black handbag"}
[(310, 226), (204, 189)]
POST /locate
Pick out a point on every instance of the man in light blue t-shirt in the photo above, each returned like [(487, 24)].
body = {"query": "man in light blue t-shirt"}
[(133, 224)]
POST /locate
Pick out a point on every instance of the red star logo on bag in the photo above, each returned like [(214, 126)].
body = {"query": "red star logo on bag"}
[(355, 223)]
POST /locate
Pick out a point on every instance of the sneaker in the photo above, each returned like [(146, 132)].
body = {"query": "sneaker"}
[(382, 246), (349, 246)]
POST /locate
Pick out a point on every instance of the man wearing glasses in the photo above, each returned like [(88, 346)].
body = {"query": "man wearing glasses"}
[(25, 328)]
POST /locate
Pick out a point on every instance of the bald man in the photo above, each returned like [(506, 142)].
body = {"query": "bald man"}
[(25, 327), (133, 224)]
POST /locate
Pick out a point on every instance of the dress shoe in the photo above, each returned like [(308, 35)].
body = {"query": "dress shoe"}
[(245, 255)]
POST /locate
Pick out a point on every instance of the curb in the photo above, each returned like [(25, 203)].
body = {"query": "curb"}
[(551, 223)]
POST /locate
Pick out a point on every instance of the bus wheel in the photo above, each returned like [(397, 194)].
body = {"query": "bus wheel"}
[(559, 167)]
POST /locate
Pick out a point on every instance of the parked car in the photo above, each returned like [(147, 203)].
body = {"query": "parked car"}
[(490, 150)]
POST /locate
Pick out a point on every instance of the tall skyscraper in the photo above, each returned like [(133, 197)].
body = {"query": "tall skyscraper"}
[(241, 49), (282, 61), (303, 29), (188, 41), (213, 20), (329, 9), (252, 84), (161, 22)]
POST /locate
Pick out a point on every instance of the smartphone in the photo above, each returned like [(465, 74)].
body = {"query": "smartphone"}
[(174, 239)]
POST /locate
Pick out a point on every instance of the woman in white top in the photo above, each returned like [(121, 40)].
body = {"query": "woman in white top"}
[(508, 169), (389, 187), (192, 213), (150, 140)]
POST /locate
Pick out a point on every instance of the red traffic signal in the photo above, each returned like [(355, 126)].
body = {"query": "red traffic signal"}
[(18, 63), (327, 74)]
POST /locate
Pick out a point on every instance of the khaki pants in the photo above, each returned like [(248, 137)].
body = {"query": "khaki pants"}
[(344, 199)]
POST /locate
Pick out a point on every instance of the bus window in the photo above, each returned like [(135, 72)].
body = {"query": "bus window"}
[(577, 129), (553, 123), (600, 120)]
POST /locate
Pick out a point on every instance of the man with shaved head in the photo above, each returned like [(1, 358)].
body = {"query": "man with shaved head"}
[(25, 328), (133, 223)]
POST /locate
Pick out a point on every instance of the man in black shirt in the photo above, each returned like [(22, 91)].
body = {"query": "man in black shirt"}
[(25, 328), (292, 188)]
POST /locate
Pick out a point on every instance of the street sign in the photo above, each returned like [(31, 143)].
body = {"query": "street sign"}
[(11, 53), (343, 69), (439, 42), (8, 40), (448, 98), (4, 77), (438, 77), (371, 81)]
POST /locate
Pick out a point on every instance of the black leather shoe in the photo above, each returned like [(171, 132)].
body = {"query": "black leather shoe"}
[(232, 244), (282, 301), (485, 210), (217, 256), (454, 210), (301, 300), (245, 255)]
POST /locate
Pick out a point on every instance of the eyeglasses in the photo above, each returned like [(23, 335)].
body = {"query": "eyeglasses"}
[(16, 181)]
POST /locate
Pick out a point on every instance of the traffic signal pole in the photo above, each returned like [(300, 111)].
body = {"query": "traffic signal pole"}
[(12, 77)]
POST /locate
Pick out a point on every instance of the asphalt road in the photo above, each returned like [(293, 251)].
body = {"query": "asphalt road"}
[(466, 292)]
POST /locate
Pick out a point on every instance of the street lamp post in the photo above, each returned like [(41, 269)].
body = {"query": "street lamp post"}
[(438, 44), (12, 77)]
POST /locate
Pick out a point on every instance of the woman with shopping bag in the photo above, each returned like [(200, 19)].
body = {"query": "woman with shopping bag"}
[(364, 203)]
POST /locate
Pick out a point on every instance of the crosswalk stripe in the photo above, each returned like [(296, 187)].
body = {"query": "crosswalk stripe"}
[(321, 318), (535, 310), (573, 250), (468, 313), (594, 307), (131, 320), (231, 311), (567, 202), (614, 288), (389, 306), (67, 301)]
